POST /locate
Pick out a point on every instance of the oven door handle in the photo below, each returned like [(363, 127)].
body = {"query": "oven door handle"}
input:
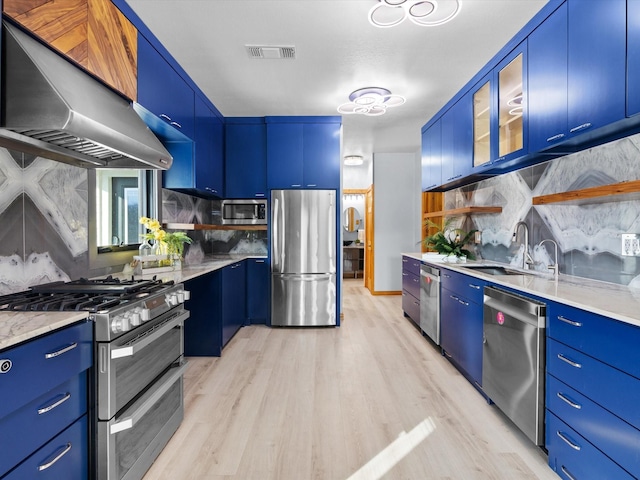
[(147, 403), (147, 340)]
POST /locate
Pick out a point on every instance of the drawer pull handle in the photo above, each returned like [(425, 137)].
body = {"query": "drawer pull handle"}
[(477, 287), (570, 322), (573, 445), (565, 399), (165, 116), (61, 351), (405, 274), (555, 137), (580, 127), (416, 303), (466, 304), (64, 451), (455, 298), (569, 361), (64, 398), (175, 124), (566, 472), (259, 261)]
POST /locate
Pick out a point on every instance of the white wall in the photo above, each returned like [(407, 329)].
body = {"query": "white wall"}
[(397, 211)]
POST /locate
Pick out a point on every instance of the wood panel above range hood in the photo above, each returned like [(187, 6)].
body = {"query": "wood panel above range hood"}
[(92, 33)]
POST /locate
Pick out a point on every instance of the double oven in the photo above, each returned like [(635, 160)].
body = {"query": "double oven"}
[(138, 360)]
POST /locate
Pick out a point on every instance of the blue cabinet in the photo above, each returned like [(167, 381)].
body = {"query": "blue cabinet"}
[(633, 57), (163, 91), (44, 405), (587, 44), (547, 89), (245, 158), (432, 157), (258, 294), (593, 389), (217, 310), (208, 163), (234, 314), (461, 323), (303, 152), (457, 140)]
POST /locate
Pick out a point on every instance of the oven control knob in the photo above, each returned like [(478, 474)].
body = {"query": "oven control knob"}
[(180, 296), (135, 319), (172, 299), (145, 314), (187, 294), (119, 324)]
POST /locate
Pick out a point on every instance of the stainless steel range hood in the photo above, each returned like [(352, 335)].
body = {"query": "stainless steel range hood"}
[(53, 109)]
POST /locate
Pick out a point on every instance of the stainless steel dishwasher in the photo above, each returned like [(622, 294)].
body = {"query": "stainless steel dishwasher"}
[(513, 358), (430, 302)]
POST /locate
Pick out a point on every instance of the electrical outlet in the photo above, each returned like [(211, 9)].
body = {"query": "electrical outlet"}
[(631, 244), (478, 237)]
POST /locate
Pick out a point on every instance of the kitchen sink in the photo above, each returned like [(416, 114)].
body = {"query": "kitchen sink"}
[(495, 270)]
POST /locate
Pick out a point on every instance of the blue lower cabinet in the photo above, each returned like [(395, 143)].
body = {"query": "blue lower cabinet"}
[(258, 295), (63, 457), (572, 457), (234, 314), (203, 328)]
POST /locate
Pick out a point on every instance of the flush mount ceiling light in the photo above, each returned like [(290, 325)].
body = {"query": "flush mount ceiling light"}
[(428, 13), (353, 160), (371, 101)]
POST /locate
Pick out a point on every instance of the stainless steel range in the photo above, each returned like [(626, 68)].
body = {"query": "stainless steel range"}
[(139, 363)]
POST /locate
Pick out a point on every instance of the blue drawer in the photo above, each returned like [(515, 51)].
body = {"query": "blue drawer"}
[(572, 457), (469, 287), (613, 342), (40, 365), (46, 417), (411, 265), (64, 457), (613, 436), (411, 283), (411, 306), (608, 387)]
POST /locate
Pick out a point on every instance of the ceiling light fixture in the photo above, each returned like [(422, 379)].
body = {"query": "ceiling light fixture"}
[(371, 101), (427, 13), (353, 160)]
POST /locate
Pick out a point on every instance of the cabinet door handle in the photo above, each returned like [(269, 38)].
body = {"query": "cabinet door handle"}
[(570, 322), (466, 304), (405, 274), (566, 472), (555, 137), (567, 400), (48, 408), (416, 303), (446, 275), (455, 298), (61, 351), (580, 127), (259, 261), (165, 116), (64, 451), (296, 185), (573, 445), (312, 185), (569, 361), (477, 287), (176, 124), (259, 195)]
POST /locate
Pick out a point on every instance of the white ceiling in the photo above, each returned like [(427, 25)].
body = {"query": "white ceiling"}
[(337, 52)]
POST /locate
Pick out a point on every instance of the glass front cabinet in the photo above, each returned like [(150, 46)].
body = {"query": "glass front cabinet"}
[(499, 111)]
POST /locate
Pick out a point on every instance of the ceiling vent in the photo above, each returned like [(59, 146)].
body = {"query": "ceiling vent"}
[(271, 52)]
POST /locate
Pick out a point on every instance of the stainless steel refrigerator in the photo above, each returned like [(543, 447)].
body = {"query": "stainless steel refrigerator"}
[(303, 258)]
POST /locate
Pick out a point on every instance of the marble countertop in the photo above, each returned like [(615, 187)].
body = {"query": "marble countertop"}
[(609, 299), (17, 327)]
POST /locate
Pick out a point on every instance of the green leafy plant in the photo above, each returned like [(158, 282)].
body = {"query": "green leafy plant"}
[(449, 241)]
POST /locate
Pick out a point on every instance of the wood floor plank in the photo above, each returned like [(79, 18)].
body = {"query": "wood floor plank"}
[(373, 399)]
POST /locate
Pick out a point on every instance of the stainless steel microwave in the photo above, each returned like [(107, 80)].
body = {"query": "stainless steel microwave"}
[(244, 212)]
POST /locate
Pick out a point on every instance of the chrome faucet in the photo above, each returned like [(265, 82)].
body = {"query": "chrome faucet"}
[(526, 257), (553, 267)]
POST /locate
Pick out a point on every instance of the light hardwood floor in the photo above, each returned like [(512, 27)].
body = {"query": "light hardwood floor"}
[(354, 402)]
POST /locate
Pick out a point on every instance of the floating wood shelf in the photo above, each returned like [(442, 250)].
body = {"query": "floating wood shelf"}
[(463, 211), (615, 192), (200, 226)]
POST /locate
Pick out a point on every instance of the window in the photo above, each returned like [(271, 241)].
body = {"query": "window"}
[(118, 198)]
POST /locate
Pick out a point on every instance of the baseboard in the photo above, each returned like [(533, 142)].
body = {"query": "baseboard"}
[(388, 292)]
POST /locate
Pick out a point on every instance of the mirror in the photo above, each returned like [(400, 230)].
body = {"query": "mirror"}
[(352, 220)]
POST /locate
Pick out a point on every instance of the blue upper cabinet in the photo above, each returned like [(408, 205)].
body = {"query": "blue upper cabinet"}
[(547, 92), (633, 57), (432, 156), (208, 164), (303, 152), (162, 91), (597, 64), (457, 141), (246, 158)]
